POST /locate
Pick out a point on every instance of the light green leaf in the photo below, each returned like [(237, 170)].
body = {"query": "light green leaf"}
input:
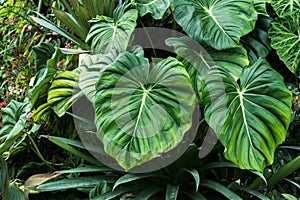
[(156, 8), (289, 197), (217, 23), (285, 7), (64, 91), (142, 112), (107, 34), (91, 68), (250, 115), (13, 123), (285, 39)]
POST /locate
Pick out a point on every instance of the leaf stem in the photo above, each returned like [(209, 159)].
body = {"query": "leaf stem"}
[(37, 151)]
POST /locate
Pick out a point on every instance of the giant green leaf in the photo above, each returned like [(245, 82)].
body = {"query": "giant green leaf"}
[(13, 123), (91, 68), (64, 91), (250, 115), (201, 59), (108, 34), (142, 112), (285, 39), (218, 23), (157, 8), (285, 7)]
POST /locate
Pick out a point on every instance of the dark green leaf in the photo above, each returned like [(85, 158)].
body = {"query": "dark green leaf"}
[(220, 189), (172, 192)]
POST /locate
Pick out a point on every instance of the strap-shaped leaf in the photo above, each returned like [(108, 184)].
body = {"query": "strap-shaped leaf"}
[(91, 68), (218, 23), (250, 116), (156, 8), (257, 42), (285, 7), (108, 34), (142, 112), (285, 39), (64, 91)]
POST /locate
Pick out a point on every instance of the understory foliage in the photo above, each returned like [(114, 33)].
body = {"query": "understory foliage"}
[(150, 99)]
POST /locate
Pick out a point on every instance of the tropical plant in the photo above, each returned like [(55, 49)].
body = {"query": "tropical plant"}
[(223, 94)]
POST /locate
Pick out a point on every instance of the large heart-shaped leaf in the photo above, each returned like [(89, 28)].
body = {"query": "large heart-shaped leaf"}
[(108, 34), (285, 7), (218, 23), (200, 59), (142, 112), (13, 123), (285, 39), (203, 59), (250, 116), (257, 42), (64, 91), (91, 68), (157, 8)]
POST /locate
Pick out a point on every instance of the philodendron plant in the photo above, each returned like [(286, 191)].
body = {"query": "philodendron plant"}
[(144, 110)]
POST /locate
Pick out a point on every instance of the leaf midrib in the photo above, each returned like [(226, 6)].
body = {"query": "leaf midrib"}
[(145, 95), (244, 116)]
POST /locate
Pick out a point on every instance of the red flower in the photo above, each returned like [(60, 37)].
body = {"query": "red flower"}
[(68, 46), (60, 63), (29, 115)]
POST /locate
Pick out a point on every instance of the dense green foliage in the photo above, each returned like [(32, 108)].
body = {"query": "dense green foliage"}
[(84, 107)]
